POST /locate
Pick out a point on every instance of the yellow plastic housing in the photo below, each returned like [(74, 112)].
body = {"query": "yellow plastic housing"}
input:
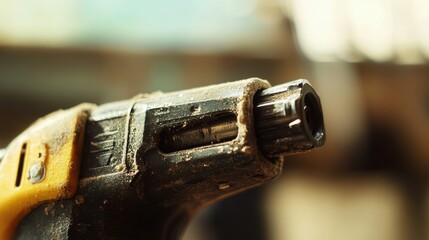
[(54, 143)]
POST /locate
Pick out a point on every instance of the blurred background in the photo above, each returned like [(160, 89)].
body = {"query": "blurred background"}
[(368, 59)]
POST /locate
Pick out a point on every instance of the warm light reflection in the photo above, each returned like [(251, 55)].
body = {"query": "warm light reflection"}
[(34, 22), (420, 15), (320, 29), (327, 30), (380, 30)]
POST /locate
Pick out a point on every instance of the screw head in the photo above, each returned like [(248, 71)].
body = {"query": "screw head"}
[(36, 173)]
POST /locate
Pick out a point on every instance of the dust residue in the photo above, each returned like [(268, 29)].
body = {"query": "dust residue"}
[(245, 108), (49, 209), (246, 135), (79, 199)]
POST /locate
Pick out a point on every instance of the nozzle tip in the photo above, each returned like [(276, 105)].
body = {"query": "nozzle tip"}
[(289, 119)]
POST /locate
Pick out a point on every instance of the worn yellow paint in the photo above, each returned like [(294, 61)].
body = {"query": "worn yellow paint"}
[(57, 142)]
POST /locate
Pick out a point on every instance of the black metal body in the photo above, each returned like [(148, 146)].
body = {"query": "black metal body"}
[(134, 186)]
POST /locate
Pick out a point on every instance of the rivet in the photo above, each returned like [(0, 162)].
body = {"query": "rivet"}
[(37, 172)]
